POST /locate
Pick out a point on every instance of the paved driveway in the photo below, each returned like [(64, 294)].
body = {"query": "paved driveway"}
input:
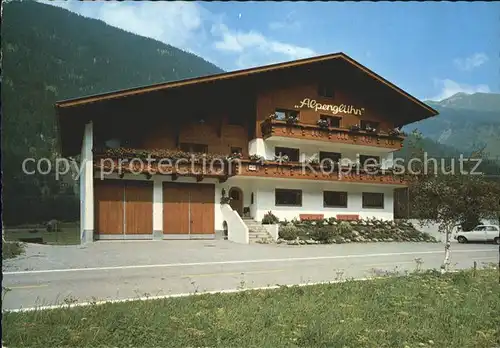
[(48, 275)]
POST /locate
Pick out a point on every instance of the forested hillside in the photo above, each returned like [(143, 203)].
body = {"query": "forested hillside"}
[(466, 122), (51, 54)]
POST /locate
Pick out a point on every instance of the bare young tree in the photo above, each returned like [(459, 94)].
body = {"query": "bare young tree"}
[(450, 195)]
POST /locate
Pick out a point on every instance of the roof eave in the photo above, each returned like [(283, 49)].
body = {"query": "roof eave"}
[(239, 73)]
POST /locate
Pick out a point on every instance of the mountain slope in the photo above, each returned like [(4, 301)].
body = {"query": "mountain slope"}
[(466, 122), (488, 102), (51, 54)]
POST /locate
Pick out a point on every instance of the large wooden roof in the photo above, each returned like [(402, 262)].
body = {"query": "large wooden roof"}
[(235, 75), (72, 114)]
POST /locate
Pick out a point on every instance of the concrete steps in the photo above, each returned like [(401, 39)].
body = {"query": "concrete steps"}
[(256, 231)]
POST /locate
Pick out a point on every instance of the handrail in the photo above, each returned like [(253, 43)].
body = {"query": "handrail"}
[(267, 124)]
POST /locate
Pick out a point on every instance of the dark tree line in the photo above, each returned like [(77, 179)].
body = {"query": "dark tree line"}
[(51, 54)]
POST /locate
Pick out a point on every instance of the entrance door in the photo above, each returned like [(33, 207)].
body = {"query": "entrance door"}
[(188, 209), (236, 199)]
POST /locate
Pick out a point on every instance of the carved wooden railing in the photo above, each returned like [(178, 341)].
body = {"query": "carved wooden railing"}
[(164, 162), (296, 170), (271, 127), (176, 163)]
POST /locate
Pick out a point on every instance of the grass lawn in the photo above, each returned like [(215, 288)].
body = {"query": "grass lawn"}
[(425, 310), (68, 235)]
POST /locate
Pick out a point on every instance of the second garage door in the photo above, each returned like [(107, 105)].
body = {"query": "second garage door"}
[(188, 209)]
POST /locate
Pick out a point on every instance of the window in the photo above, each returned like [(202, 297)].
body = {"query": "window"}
[(188, 147), (235, 120), (282, 114), (368, 160), (373, 200), (334, 156), (369, 124), (288, 197), (235, 195), (325, 90), (334, 199), (491, 228), (333, 121), (293, 154), (236, 150), (251, 198)]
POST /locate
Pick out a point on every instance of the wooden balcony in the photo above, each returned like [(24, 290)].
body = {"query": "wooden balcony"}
[(304, 131), (163, 162), (297, 170)]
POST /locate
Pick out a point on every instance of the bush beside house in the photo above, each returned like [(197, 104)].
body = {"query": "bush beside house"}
[(331, 230)]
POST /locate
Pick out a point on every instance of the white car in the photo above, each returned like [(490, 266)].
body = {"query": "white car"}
[(480, 233)]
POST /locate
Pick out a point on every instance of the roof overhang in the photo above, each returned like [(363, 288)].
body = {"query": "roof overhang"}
[(65, 108)]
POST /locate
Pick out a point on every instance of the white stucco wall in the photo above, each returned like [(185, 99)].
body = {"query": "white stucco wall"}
[(266, 149), (237, 229), (312, 199), (246, 185)]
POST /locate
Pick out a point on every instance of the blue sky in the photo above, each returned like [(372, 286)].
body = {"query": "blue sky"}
[(432, 50)]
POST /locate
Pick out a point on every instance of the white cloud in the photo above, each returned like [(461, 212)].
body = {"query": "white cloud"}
[(174, 22), (449, 87), (252, 47), (469, 63), (289, 23), (189, 26)]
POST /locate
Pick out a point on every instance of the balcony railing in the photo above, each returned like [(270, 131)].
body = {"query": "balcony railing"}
[(297, 170), (271, 127), (163, 162), (221, 167)]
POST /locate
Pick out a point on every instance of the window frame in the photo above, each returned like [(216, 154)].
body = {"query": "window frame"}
[(293, 149), (363, 202), (192, 147), (325, 205), (239, 148), (329, 118), (285, 112), (364, 123), (327, 153), (281, 190), (368, 157), (324, 88)]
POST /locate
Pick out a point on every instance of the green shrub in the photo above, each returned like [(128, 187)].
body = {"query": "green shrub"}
[(288, 232), (331, 220), (324, 234), (344, 228), (270, 219)]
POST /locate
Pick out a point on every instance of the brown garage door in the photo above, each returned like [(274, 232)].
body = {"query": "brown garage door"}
[(108, 196), (202, 209), (139, 207), (123, 207), (188, 208)]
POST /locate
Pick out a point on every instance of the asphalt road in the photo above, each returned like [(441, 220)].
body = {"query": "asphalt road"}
[(49, 275)]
